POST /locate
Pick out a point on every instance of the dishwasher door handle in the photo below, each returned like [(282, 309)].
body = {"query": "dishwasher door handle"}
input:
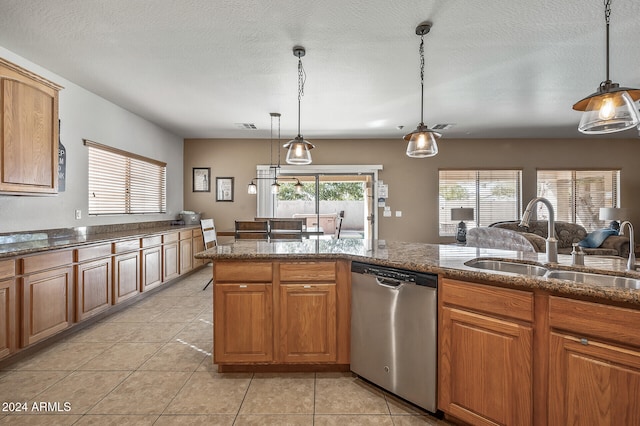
[(389, 283)]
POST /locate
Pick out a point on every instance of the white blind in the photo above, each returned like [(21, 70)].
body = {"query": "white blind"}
[(124, 183), (577, 195), (495, 195)]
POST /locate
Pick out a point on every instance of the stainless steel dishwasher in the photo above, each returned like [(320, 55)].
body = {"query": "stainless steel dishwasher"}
[(394, 331)]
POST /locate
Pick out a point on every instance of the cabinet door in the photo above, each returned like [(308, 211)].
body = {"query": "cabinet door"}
[(186, 255), (151, 268), (126, 276), (485, 369), (8, 310), (93, 288), (170, 261), (29, 139), (592, 383), (307, 329), (243, 323), (47, 304)]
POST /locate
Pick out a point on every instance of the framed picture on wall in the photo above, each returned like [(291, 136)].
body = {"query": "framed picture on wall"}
[(224, 189), (201, 179)]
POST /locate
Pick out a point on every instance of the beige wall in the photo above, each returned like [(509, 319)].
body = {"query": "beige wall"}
[(413, 183)]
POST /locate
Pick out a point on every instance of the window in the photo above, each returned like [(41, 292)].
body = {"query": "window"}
[(124, 183), (495, 195), (577, 195)]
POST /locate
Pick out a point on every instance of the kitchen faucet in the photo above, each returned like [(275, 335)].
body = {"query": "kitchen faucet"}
[(631, 263), (552, 242)]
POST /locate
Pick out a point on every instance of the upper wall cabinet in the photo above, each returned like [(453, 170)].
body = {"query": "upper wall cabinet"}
[(28, 132)]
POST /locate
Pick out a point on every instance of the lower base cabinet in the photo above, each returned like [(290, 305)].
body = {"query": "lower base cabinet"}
[(8, 320), (93, 288), (594, 368), (281, 312), (47, 304), (151, 264), (485, 356), (243, 321), (126, 276)]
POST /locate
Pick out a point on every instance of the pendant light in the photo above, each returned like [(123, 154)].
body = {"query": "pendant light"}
[(422, 141), (611, 108), (298, 148)]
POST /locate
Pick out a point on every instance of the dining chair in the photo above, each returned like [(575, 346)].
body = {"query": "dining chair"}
[(251, 229), (285, 229), (209, 236)]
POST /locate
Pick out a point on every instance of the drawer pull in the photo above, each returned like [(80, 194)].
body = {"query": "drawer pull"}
[(584, 341), (243, 286), (306, 286)]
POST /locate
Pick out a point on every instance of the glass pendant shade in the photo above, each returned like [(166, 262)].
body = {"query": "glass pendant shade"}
[(252, 189), (422, 142), (299, 151), (299, 187), (608, 112), (275, 188)]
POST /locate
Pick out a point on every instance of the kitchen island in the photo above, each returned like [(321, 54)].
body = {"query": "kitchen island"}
[(512, 348)]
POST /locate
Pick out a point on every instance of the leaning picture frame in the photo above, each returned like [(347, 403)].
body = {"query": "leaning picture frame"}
[(201, 179), (224, 189)]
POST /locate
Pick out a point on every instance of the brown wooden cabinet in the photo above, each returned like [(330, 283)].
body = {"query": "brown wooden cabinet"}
[(8, 309), (485, 357), (170, 256), (28, 132), (594, 364), (186, 251), (47, 295), (151, 262), (307, 322), (93, 280), (243, 312), (126, 270), (281, 312)]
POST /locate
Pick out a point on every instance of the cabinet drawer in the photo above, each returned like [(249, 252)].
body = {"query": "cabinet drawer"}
[(155, 240), (7, 268), (93, 252), (46, 261), (593, 319), (125, 246), (185, 235), (169, 238), (308, 271), (242, 271), (504, 302), (197, 233)]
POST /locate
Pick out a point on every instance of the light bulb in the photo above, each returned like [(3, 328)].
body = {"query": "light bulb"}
[(298, 150), (608, 109)]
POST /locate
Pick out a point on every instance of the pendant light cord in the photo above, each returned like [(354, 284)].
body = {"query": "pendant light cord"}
[(607, 18), (422, 79), (302, 77)]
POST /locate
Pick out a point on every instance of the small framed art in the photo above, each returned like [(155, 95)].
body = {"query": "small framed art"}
[(224, 189), (201, 179)]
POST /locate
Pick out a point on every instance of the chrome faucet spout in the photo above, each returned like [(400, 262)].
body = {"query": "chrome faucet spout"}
[(631, 263), (552, 242)]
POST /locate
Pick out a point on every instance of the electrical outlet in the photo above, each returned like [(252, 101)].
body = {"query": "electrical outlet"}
[(78, 214), (398, 213)]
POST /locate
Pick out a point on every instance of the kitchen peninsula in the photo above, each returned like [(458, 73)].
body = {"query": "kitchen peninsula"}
[(512, 348)]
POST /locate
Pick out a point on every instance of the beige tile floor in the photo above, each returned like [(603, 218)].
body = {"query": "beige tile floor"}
[(151, 364)]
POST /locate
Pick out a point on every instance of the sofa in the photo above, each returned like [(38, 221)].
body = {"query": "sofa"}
[(510, 236)]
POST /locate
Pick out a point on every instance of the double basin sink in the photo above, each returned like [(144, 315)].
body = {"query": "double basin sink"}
[(541, 271)]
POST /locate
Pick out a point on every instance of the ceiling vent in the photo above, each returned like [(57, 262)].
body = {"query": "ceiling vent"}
[(246, 126), (443, 126)]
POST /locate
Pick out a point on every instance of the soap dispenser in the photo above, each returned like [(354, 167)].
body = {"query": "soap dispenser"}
[(577, 255)]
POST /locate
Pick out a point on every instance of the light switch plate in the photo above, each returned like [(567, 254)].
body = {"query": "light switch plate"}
[(78, 214), (398, 213)]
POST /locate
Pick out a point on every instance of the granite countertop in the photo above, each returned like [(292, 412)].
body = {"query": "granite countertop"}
[(20, 244), (448, 260)]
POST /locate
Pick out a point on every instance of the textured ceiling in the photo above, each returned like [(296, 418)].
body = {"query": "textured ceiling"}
[(496, 69)]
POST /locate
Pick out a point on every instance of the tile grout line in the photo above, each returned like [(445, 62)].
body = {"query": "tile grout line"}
[(243, 398)]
